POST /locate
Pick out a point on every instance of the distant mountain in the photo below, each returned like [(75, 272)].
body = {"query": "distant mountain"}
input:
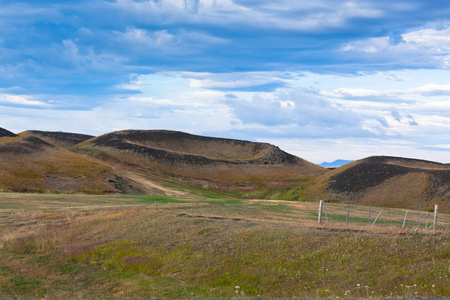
[(335, 164)]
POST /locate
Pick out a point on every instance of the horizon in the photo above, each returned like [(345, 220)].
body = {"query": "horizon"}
[(315, 162), (324, 81)]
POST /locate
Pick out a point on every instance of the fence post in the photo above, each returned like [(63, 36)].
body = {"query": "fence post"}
[(320, 210), (418, 216), (377, 218), (370, 209), (404, 221), (435, 216), (347, 215)]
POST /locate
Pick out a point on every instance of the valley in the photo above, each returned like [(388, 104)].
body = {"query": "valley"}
[(162, 214)]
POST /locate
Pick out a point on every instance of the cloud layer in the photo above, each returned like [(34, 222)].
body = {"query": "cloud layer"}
[(368, 70)]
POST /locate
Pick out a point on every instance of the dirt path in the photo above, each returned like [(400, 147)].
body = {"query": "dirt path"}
[(150, 186)]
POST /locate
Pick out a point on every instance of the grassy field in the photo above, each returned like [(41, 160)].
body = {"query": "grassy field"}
[(86, 246)]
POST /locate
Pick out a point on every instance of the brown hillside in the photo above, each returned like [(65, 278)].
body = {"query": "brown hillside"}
[(215, 161), (6, 133), (388, 181), (58, 138), (30, 164)]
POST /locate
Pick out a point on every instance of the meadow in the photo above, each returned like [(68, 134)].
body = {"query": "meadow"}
[(212, 246)]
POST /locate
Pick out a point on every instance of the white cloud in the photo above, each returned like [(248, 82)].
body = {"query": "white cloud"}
[(349, 92), (431, 88), (148, 39), (280, 15), (70, 55), (428, 90), (236, 80), (313, 108), (423, 47), (20, 100)]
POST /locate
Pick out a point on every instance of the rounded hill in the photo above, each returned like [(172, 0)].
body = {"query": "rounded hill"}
[(58, 138), (30, 164), (197, 157), (388, 181), (188, 148), (26, 145)]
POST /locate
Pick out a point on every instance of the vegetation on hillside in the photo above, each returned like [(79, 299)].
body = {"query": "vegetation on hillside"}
[(237, 168), (30, 164), (385, 181), (211, 162), (57, 138)]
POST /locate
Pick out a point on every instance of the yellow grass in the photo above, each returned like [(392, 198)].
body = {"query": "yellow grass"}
[(55, 170), (68, 246)]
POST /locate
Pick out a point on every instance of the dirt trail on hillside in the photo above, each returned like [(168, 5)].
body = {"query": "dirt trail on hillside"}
[(150, 186)]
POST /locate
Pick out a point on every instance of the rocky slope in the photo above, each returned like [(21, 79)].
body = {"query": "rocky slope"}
[(216, 161), (30, 164), (6, 133), (387, 181)]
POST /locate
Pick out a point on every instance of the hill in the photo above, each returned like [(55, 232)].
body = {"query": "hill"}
[(387, 181), (149, 161), (6, 133), (58, 138), (30, 164), (214, 162)]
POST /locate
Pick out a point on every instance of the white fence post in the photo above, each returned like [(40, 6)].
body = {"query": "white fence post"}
[(377, 218), (435, 216), (320, 211), (404, 221)]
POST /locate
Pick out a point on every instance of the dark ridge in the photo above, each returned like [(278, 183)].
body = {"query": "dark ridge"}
[(164, 145), (26, 145), (6, 133), (405, 161), (65, 139), (158, 136), (375, 170), (365, 175)]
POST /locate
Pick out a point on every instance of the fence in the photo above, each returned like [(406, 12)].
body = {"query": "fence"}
[(381, 216)]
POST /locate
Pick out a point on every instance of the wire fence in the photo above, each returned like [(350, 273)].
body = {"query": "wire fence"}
[(330, 213)]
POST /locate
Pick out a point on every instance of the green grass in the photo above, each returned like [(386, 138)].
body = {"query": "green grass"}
[(238, 202), (154, 199), (277, 208), (167, 247), (203, 192)]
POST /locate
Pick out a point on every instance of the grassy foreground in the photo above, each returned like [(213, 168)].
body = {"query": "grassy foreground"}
[(81, 246)]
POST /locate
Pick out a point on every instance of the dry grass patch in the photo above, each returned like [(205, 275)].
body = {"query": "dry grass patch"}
[(53, 170), (213, 249)]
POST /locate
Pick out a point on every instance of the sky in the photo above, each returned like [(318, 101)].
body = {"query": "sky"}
[(323, 79)]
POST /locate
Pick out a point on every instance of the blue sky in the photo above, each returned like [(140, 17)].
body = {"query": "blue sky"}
[(323, 79)]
